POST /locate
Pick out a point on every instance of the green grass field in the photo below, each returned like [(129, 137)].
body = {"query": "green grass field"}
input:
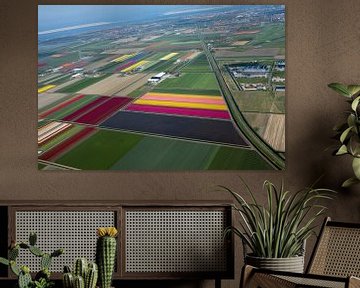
[(229, 158), (272, 35), (127, 151), (199, 65), (155, 153), (100, 151), (191, 81), (254, 101), (252, 80), (161, 66), (82, 84), (188, 91)]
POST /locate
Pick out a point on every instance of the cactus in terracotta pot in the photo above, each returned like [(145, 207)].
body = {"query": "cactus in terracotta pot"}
[(106, 254)]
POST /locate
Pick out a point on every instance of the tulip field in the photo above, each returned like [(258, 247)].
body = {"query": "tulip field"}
[(155, 97)]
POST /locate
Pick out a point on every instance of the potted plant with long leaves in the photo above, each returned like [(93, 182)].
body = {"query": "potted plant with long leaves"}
[(349, 131), (275, 234)]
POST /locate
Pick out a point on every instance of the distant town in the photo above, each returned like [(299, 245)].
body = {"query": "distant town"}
[(195, 89)]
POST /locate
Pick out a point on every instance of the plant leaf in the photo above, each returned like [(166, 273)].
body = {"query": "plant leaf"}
[(349, 182), (355, 103), (345, 134), (340, 88), (356, 167), (342, 150), (353, 89)]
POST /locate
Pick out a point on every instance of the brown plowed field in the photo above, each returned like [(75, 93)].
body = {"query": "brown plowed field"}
[(252, 52), (48, 98), (275, 132), (136, 83), (112, 84)]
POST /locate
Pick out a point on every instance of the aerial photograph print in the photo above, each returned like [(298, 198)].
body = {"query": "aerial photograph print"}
[(161, 87)]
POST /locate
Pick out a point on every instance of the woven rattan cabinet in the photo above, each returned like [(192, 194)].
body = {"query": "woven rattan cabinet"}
[(156, 240)]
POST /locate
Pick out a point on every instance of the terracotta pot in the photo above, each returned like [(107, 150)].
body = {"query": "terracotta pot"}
[(291, 264)]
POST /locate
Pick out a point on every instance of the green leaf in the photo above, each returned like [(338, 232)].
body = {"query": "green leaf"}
[(356, 167), (345, 134), (351, 120), (342, 150), (353, 89), (340, 88), (4, 261), (355, 103), (349, 182)]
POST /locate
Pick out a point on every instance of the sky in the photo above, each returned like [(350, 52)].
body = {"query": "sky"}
[(52, 17)]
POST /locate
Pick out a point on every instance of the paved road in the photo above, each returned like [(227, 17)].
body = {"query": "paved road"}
[(254, 140)]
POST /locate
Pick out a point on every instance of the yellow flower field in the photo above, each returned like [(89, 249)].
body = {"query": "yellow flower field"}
[(169, 56), (45, 88)]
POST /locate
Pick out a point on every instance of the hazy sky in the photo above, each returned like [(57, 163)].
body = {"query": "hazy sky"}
[(59, 16)]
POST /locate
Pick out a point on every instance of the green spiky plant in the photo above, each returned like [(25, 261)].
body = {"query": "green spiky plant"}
[(42, 278), (279, 229), (106, 254), (85, 275), (349, 131)]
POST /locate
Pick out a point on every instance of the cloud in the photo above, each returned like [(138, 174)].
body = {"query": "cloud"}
[(72, 28)]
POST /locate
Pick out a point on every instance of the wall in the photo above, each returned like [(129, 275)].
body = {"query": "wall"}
[(323, 40)]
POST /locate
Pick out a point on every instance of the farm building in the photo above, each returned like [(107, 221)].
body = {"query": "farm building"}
[(280, 65), (156, 78), (249, 70)]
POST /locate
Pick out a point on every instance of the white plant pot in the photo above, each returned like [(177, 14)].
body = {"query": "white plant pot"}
[(291, 264)]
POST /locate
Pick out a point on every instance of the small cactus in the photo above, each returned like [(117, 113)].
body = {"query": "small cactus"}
[(68, 280), (80, 268), (45, 261), (91, 276), (24, 278), (106, 254), (79, 282), (32, 239), (36, 251), (90, 272)]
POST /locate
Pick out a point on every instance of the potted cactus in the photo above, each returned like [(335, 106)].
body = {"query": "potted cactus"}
[(84, 275), (42, 278), (106, 254)]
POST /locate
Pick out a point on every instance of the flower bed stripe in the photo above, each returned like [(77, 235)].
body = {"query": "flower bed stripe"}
[(49, 136), (123, 57), (202, 96), (78, 113), (45, 88), (184, 98), (126, 65), (180, 111), (181, 104), (57, 150), (169, 56), (101, 112), (134, 66), (61, 105)]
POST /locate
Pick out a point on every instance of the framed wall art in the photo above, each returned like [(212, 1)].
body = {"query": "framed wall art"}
[(161, 87)]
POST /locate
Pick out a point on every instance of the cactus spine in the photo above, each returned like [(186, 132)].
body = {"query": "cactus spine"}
[(84, 275), (106, 254)]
